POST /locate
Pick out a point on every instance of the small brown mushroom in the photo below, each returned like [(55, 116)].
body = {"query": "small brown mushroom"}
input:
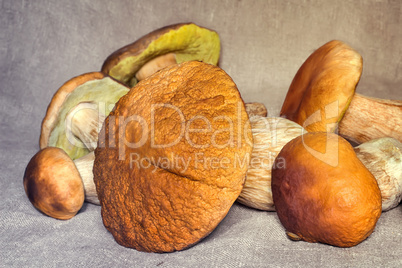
[(322, 95), (57, 185), (324, 193), (383, 158), (53, 184)]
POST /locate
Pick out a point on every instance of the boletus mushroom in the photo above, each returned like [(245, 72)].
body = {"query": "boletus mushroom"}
[(270, 134), (53, 184), (77, 111), (172, 157), (57, 185), (163, 47), (322, 95), (324, 193)]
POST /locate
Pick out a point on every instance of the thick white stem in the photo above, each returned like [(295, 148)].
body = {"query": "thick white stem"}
[(84, 165), (383, 158)]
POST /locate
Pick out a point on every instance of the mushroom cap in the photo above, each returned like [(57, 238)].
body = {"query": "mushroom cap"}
[(323, 87), (94, 87), (172, 158), (53, 184), (270, 134), (187, 40), (324, 193)]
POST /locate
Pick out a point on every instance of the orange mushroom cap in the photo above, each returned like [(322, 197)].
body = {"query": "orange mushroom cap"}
[(323, 87)]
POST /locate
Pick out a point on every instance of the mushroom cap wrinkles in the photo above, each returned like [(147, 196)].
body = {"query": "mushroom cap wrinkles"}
[(172, 158)]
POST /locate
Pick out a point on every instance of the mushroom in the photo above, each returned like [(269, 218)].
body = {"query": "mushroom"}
[(169, 165), (57, 185), (383, 158), (324, 193), (77, 111), (161, 48), (270, 134), (323, 92), (53, 184)]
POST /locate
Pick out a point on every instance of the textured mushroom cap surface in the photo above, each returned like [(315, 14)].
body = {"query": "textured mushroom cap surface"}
[(323, 87), (187, 40), (170, 175), (324, 193), (92, 87), (53, 184)]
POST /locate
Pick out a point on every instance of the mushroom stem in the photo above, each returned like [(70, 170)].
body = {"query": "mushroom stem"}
[(84, 166), (383, 158), (155, 65), (84, 122), (370, 118), (270, 134)]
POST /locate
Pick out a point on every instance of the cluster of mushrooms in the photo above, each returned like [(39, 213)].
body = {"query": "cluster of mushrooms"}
[(163, 141)]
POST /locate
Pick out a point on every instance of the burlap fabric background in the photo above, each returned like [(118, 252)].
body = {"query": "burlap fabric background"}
[(43, 43)]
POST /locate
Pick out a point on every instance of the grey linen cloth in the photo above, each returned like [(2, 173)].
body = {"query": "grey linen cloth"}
[(44, 43)]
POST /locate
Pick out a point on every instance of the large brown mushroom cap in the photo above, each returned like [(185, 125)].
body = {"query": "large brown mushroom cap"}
[(186, 41), (324, 193), (53, 184), (172, 158), (323, 87)]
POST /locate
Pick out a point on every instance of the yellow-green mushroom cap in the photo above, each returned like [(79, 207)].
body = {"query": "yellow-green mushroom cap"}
[(183, 42), (71, 109)]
